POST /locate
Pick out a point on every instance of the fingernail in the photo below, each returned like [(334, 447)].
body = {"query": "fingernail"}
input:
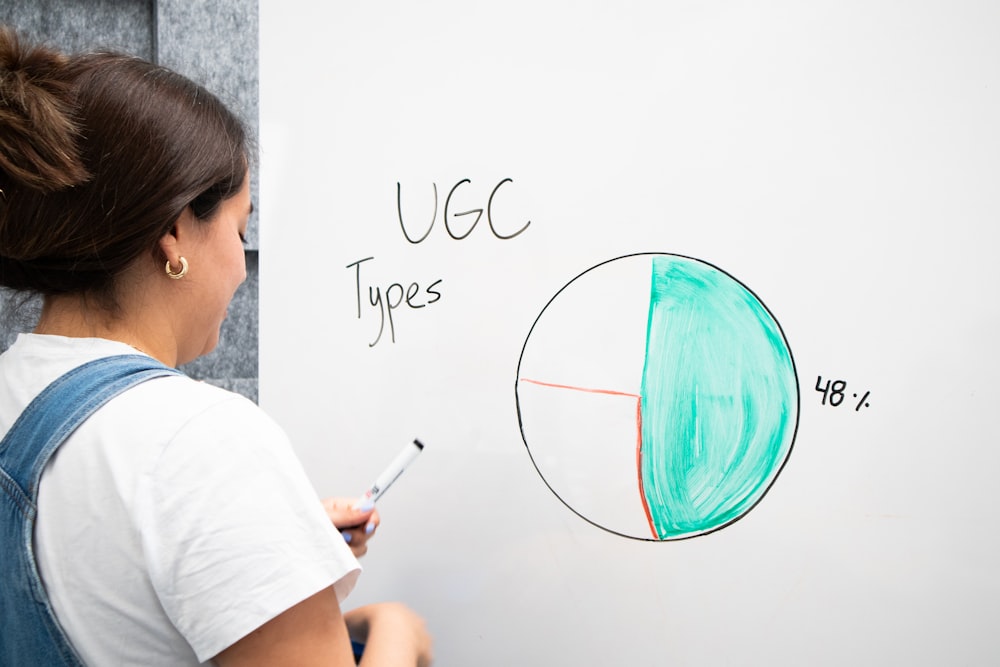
[(365, 505), (347, 536), (370, 528)]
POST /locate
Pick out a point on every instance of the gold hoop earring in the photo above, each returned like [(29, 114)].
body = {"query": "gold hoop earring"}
[(180, 274)]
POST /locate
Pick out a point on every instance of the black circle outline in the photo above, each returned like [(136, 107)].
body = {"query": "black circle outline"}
[(795, 375)]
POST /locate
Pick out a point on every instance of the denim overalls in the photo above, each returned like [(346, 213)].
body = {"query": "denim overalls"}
[(29, 631)]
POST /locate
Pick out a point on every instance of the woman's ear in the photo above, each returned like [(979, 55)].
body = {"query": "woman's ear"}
[(172, 243)]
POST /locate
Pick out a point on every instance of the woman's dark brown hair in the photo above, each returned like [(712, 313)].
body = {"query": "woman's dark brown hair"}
[(99, 155)]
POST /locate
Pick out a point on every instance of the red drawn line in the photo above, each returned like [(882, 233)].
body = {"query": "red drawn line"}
[(638, 430), (638, 468), (592, 391)]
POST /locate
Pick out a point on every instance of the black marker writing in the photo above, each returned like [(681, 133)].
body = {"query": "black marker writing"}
[(391, 298), (449, 218)]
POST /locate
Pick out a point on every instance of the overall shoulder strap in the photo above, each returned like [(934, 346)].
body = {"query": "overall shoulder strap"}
[(32, 634), (62, 406)]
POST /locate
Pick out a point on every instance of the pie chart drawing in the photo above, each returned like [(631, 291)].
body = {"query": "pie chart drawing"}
[(657, 397)]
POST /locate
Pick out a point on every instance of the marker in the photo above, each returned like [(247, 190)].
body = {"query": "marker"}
[(390, 474)]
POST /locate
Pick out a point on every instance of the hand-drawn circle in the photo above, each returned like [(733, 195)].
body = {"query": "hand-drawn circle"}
[(713, 414)]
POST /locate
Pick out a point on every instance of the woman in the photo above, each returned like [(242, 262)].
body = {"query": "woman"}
[(174, 525)]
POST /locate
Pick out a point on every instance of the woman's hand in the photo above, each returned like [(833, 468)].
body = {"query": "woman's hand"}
[(356, 525), (392, 633)]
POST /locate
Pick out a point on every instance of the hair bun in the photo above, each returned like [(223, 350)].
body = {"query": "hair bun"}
[(38, 146)]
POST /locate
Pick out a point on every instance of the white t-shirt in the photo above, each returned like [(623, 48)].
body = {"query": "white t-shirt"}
[(175, 520)]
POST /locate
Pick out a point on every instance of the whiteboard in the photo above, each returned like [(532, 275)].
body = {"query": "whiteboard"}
[(512, 178)]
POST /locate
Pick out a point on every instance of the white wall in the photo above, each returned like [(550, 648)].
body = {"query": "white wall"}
[(840, 159)]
